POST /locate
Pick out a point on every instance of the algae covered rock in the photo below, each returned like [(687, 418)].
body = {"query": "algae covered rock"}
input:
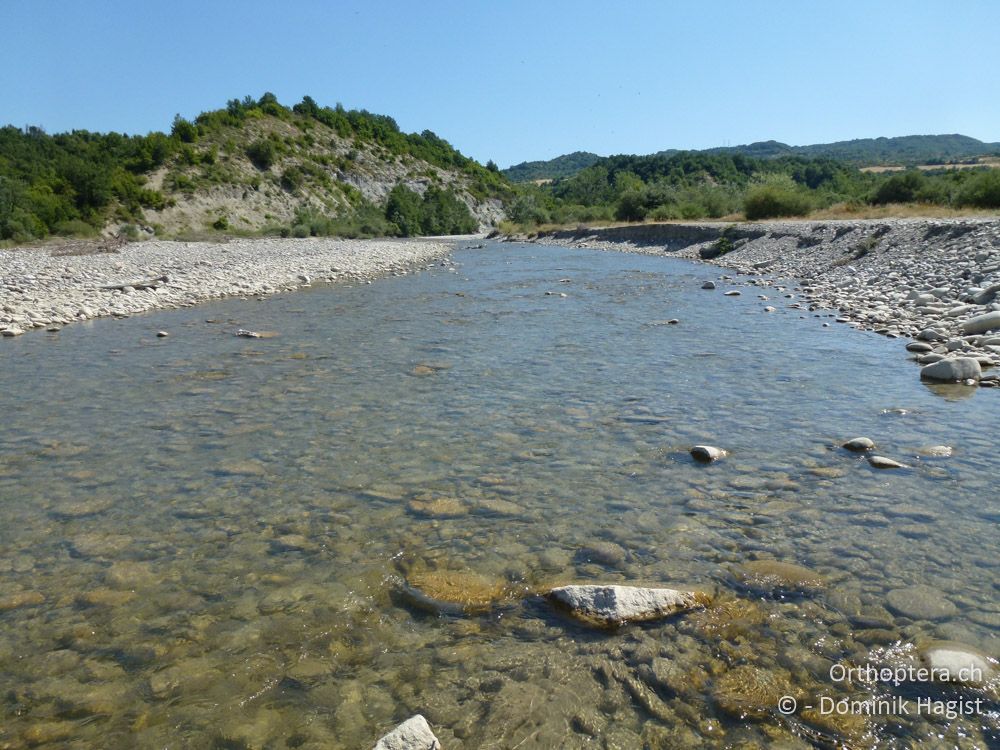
[(455, 591)]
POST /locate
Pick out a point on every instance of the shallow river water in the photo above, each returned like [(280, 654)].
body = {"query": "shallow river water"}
[(216, 542)]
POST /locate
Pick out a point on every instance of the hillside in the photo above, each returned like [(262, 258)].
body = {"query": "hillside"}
[(562, 166), (254, 167), (908, 150)]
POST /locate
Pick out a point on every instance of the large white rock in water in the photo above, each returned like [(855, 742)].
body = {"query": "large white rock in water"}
[(614, 605), (952, 370), (982, 323), (956, 662), (707, 453), (413, 734)]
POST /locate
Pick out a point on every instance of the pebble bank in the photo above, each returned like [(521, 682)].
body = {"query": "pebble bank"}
[(40, 288)]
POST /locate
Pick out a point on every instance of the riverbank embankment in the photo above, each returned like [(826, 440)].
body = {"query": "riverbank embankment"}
[(934, 280), (42, 287)]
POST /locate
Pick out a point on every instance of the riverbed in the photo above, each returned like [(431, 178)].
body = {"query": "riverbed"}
[(213, 541)]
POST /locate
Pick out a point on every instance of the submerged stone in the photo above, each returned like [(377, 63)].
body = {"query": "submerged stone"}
[(748, 691), (920, 603), (438, 507), (776, 577), (616, 605), (455, 591)]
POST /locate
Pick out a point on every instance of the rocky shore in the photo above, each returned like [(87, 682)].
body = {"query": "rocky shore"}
[(43, 288), (935, 280)]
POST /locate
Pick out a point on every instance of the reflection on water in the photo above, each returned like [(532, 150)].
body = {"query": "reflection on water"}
[(297, 542)]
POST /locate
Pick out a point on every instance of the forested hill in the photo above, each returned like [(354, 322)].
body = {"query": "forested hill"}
[(907, 150), (562, 166), (256, 166)]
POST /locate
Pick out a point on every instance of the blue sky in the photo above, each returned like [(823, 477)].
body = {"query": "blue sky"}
[(514, 81)]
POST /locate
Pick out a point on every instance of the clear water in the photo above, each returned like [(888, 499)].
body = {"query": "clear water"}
[(203, 537)]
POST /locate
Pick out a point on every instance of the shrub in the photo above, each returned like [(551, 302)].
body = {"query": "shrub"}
[(631, 206), (263, 153), (776, 196), (221, 224), (900, 188), (981, 190)]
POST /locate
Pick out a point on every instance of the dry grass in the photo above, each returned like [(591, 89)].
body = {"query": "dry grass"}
[(898, 211), (983, 161)]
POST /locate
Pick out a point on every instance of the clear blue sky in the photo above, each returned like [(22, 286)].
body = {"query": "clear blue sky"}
[(514, 81)]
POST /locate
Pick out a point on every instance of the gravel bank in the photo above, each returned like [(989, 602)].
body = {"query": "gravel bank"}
[(937, 280), (41, 290)]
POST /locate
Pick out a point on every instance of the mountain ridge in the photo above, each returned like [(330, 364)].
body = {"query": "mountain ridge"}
[(906, 150)]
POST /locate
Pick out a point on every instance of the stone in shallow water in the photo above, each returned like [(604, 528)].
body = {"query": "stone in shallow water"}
[(439, 507), (728, 620), (707, 453), (455, 591), (961, 663), (748, 691), (860, 444), (881, 462), (920, 603), (604, 553), (937, 451), (952, 370), (615, 605), (21, 599), (413, 734), (776, 577)]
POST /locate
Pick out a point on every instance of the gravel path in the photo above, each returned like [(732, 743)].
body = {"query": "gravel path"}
[(39, 289), (934, 280)]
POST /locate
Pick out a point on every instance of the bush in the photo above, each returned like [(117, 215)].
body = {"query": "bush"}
[(631, 206), (263, 153), (775, 197), (900, 188), (221, 224), (982, 190)]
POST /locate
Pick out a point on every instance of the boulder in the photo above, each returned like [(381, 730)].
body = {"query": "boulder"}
[(982, 323), (708, 285), (612, 605), (952, 370), (413, 734)]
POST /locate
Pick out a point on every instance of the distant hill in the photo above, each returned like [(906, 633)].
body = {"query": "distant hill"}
[(561, 166), (904, 150), (907, 150)]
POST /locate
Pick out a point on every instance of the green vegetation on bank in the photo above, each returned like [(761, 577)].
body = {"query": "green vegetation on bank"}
[(77, 183), (702, 185)]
